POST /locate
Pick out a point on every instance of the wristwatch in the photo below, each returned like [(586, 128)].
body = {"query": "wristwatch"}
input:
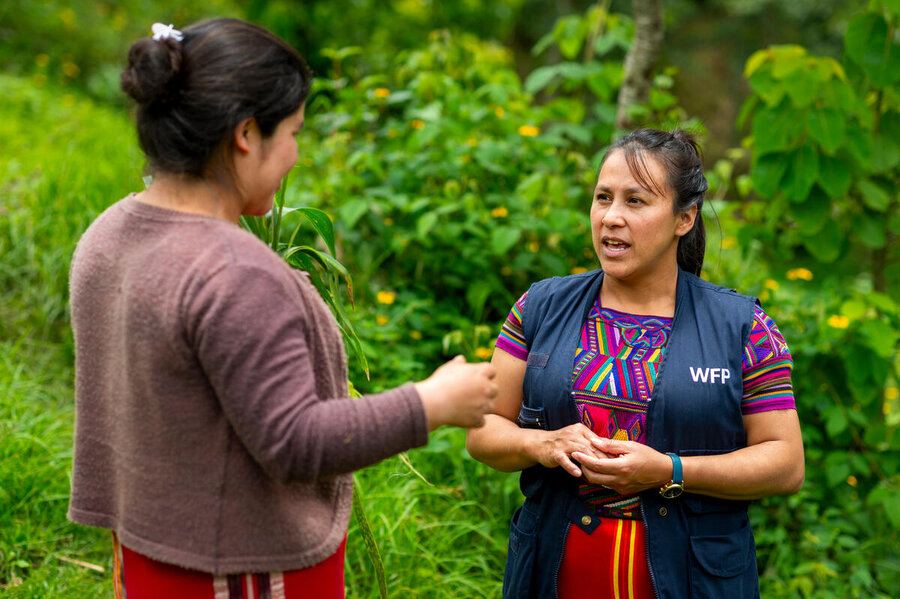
[(674, 487)]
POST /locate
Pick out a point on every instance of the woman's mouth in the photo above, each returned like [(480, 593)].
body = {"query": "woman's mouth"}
[(614, 247)]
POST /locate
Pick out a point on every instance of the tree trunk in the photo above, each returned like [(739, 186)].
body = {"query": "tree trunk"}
[(641, 58)]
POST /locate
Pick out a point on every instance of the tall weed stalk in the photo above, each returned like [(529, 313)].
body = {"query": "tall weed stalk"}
[(325, 272)]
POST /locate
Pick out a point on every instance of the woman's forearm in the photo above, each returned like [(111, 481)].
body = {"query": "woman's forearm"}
[(501, 444)]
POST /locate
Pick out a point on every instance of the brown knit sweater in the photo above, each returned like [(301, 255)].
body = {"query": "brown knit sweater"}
[(212, 425)]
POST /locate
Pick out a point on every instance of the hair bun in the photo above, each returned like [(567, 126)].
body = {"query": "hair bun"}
[(153, 68)]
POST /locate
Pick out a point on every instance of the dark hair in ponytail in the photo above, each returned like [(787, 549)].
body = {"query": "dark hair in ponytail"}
[(191, 94), (677, 151)]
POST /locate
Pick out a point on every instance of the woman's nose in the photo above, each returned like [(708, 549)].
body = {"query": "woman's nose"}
[(613, 216)]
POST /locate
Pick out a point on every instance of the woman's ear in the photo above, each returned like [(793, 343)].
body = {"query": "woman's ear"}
[(245, 135), (686, 221)]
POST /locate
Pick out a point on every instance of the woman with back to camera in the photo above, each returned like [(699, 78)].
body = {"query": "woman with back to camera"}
[(645, 406), (214, 436)]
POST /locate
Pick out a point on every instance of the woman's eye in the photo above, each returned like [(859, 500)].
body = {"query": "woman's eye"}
[(602, 197), (634, 200)]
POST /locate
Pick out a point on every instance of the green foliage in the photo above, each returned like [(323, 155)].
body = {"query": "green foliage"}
[(825, 137)]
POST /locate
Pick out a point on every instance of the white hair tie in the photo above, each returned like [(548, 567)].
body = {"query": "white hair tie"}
[(164, 32)]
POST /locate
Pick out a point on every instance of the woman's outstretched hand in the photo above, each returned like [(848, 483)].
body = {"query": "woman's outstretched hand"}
[(458, 394), (630, 468)]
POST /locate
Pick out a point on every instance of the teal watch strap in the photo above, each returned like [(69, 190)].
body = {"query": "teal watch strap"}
[(677, 475)]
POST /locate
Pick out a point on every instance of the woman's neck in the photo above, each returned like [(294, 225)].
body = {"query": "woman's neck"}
[(654, 297), (191, 195)]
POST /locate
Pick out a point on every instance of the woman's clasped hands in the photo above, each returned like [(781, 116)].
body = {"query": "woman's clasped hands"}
[(626, 467)]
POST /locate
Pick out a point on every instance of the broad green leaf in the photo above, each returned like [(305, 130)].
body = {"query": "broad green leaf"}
[(860, 143), (803, 84), (503, 239), (869, 229), (837, 466), (867, 43), (835, 424), (883, 302), (885, 153), (812, 214), (531, 186), (352, 210), (540, 78), (771, 90), (881, 337), (834, 176), (756, 60), (787, 64), (767, 173), (892, 507), (777, 129), (826, 127), (853, 309), (571, 36), (426, 223), (873, 195), (826, 246), (802, 173)]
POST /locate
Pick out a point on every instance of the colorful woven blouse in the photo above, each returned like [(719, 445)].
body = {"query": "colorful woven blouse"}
[(615, 367)]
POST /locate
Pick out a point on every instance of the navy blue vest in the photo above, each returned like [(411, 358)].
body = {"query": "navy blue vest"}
[(697, 546)]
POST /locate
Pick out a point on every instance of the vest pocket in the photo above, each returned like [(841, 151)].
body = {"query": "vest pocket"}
[(531, 417), (520, 556), (722, 566)]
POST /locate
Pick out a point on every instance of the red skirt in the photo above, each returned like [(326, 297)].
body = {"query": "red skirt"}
[(609, 563), (136, 576)]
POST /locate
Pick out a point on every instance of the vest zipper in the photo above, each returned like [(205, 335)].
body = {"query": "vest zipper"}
[(559, 561), (647, 550)]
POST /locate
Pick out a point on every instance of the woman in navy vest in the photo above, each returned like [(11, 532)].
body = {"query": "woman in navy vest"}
[(644, 406)]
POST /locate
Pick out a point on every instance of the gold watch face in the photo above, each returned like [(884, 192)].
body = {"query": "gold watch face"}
[(671, 490)]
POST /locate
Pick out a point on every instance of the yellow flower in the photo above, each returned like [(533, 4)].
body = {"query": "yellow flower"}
[(506, 271), (471, 142), (498, 110), (388, 221), (67, 16), (382, 92), (728, 243), (851, 480), (534, 246), (483, 353), (838, 322), (392, 133), (499, 212), (381, 320), (418, 123), (42, 60), (577, 270), (40, 80), (800, 273), (71, 70), (386, 297), (465, 159), (415, 335), (529, 130), (891, 393), (771, 284)]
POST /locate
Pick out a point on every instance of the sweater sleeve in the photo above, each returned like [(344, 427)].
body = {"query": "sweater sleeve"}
[(248, 332)]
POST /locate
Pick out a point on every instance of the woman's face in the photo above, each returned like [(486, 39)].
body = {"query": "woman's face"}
[(274, 157), (634, 229)]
